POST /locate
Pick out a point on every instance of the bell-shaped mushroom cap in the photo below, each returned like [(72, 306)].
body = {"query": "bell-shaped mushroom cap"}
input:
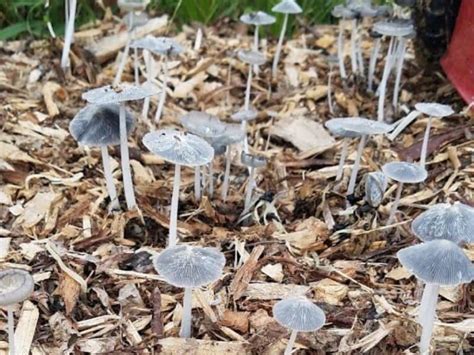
[(179, 148), (375, 187), (99, 125), (245, 115), (187, 266), (384, 10), (299, 313), (394, 28), (252, 57), (15, 286), (363, 8), (219, 149), (253, 161), (438, 262), (404, 172), (232, 134), (287, 7), (341, 11), (258, 18), (160, 45), (434, 109), (133, 20), (356, 126), (124, 92), (133, 5), (203, 124), (445, 221)]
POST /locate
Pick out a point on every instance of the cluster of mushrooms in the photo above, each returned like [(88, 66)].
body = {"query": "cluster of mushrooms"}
[(105, 121)]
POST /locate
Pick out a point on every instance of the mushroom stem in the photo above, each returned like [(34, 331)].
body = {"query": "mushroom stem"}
[(211, 180), (123, 61), (248, 193), (225, 184), (360, 57), (402, 45), (355, 168), (373, 62), (174, 206), (11, 331), (395, 204), (247, 107), (148, 66), (135, 66), (255, 45), (342, 159), (424, 146), (340, 50), (125, 161), (69, 34), (185, 331), (353, 46), (331, 108), (291, 342), (109, 179), (197, 183), (426, 319), (383, 84), (276, 59), (161, 103)]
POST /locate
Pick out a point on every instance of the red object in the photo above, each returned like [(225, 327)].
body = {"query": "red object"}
[(458, 62)]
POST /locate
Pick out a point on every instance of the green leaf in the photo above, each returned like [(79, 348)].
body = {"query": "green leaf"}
[(13, 31)]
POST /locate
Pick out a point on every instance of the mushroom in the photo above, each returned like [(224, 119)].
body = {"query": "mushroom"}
[(252, 162), (286, 7), (15, 287), (375, 187), (373, 58), (453, 222), (120, 95), (343, 13), (437, 263), (99, 126), (432, 110), (70, 8), (403, 173), (189, 267), (300, 315), (180, 149), (243, 117)]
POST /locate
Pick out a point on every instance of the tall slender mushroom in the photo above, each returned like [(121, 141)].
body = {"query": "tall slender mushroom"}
[(373, 58), (343, 13), (252, 162), (120, 95), (71, 6), (15, 287), (286, 7), (375, 187), (99, 126), (437, 263), (189, 267), (243, 117), (180, 149)]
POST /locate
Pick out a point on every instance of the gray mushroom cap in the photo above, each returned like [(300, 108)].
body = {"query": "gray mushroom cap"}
[(363, 8), (99, 125), (438, 262), (245, 115), (394, 28), (258, 18), (404, 172), (179, 148), (434, 109), (341, 11), (299, 313), (356, 126), (446, 221), (251, 57), (203, 124), (219, 149), (133, 20), (15, 286), (161, 45), (253, 161), (124, 92), (287, 7), (375, 187), (187, 266), (233, 134), (133, 5)]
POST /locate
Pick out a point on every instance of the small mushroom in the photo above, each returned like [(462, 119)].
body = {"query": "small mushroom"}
[(453, 222), (343, 13), (180, 149), (244, 116), (300, 315), (432, 110), (375, 187), (252, 162), (15, 287), (189, 267), (99, 126), (373, 58), (437, 263), (403, 173)]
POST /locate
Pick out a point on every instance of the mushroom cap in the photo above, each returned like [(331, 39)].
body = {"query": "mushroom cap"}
[(434, 109), (438, 262), (287, 7), (258, 18), (245, 115), (113, 95), (252, 57), (445, 221), (187, 266), (15, 286), (253, 161), (133, 20), (332, 59), (384, 10), (133, 5), (161, 45), (299, 313), (99, 125), (179, 147), (219, 149), (203, 124), (232, 134), (363, 8), (356, 127), (404, 172), (394, 28), (341, 11), (375, 187)]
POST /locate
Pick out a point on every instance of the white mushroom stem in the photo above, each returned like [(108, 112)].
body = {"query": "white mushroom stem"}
[(247, 107), (427, 318), (69, 33), (342, 159), (340, 50), (424, 145), (402, 47), (291, 342), (255, 45), (135, 66), (197, 183), (373, 62), (383, 84), (276, 59), (360, 57), (109, 179), (395, 204), (355, 168), (11, 331), (211, 180), (248, 192), (123, 61), (225, 184), (164, 86), (331, 108), (354, 46), (185, 331), (148, 65), (174, 207), (125, 160)]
